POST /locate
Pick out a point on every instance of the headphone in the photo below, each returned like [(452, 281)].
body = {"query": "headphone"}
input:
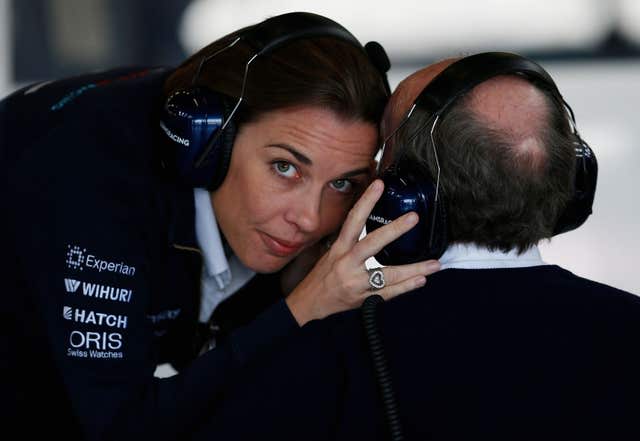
[(198, 122), (403, 193)]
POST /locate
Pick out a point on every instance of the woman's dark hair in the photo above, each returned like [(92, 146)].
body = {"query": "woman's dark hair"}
[(321, 72), (495, 196)]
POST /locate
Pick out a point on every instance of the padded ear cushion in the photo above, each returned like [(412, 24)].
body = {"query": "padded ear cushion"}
[(225, 150), (579, 207)]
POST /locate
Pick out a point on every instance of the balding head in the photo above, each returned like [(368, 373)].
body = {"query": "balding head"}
[(407, 91), (516, 110), (508, 104), (504, 151)]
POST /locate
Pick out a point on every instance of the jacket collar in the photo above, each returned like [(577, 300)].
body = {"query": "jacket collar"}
[(181, 231)]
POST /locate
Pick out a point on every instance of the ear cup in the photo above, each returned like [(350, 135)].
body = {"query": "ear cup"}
[(402, 194), (190, 122), (579, 207)]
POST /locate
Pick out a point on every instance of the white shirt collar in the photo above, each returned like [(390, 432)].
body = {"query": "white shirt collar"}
[(471, 256), (221, 277), (208, 236)]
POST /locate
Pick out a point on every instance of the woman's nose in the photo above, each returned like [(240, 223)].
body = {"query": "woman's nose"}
[(304, 211)]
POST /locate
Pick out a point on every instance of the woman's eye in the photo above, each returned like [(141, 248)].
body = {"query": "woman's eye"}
[(285, 169), (342, 185)]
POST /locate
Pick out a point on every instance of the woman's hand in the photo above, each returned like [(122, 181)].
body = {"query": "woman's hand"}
[(300, 267), (339, 280)]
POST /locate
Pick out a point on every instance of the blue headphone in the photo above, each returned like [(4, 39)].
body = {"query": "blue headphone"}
[(404, 193), (198, 122)]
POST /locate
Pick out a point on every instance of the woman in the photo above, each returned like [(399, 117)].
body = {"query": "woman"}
[(266, 139)]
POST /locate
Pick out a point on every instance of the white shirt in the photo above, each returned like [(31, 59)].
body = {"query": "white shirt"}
[(221, 277), (470, 256)]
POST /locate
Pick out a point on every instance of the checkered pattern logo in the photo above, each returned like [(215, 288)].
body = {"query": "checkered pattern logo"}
[(75, 257)]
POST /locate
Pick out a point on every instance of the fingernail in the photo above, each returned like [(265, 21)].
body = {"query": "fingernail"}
[(420, 281), (411, 218), (376, 185)]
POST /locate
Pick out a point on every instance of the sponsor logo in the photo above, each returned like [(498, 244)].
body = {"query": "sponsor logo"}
[(71, 96), (78, 259), (173, 136), (71, 285), (379, 219), (99, 291), (93, 353), (169, 314), (82, 89), (94, 318), (90, 340), (75, 257)]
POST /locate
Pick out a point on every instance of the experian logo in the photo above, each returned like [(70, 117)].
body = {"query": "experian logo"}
[(173, 136), (78, 259)]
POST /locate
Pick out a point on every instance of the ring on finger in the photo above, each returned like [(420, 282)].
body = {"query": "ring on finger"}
[(376, 279)]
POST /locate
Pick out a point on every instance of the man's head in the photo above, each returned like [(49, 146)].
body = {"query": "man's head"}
[(505, 149)]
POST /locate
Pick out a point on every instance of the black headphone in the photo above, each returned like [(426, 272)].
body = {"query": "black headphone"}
[(403, 193), (198, 122)]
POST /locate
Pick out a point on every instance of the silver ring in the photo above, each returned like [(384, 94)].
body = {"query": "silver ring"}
[(376, 279)]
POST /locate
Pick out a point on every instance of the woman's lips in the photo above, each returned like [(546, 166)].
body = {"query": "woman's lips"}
[(280, 247)]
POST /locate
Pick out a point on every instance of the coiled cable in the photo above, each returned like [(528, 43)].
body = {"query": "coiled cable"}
[(381, 369)]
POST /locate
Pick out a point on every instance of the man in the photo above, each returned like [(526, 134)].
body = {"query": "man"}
[(498, 344)]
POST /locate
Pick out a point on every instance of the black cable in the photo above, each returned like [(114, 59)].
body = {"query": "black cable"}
[(381, 370)]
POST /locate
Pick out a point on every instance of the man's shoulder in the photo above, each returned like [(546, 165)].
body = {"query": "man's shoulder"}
[(564, 281), (548, 277), (541, 291)]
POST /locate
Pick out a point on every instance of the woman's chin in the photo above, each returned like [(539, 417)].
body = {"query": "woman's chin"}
[(266, 264)]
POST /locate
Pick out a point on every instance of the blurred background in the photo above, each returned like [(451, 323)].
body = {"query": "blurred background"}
[(590, 47)]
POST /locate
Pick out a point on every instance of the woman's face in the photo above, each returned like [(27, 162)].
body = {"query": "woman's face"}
[(294, 175)]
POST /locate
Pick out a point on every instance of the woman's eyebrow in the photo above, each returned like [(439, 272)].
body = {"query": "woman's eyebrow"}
[(358, 171), (299, 156), (307, 161)]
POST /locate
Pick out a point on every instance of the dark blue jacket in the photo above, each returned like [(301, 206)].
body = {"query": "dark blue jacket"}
[(101, 269), (497, 354)]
